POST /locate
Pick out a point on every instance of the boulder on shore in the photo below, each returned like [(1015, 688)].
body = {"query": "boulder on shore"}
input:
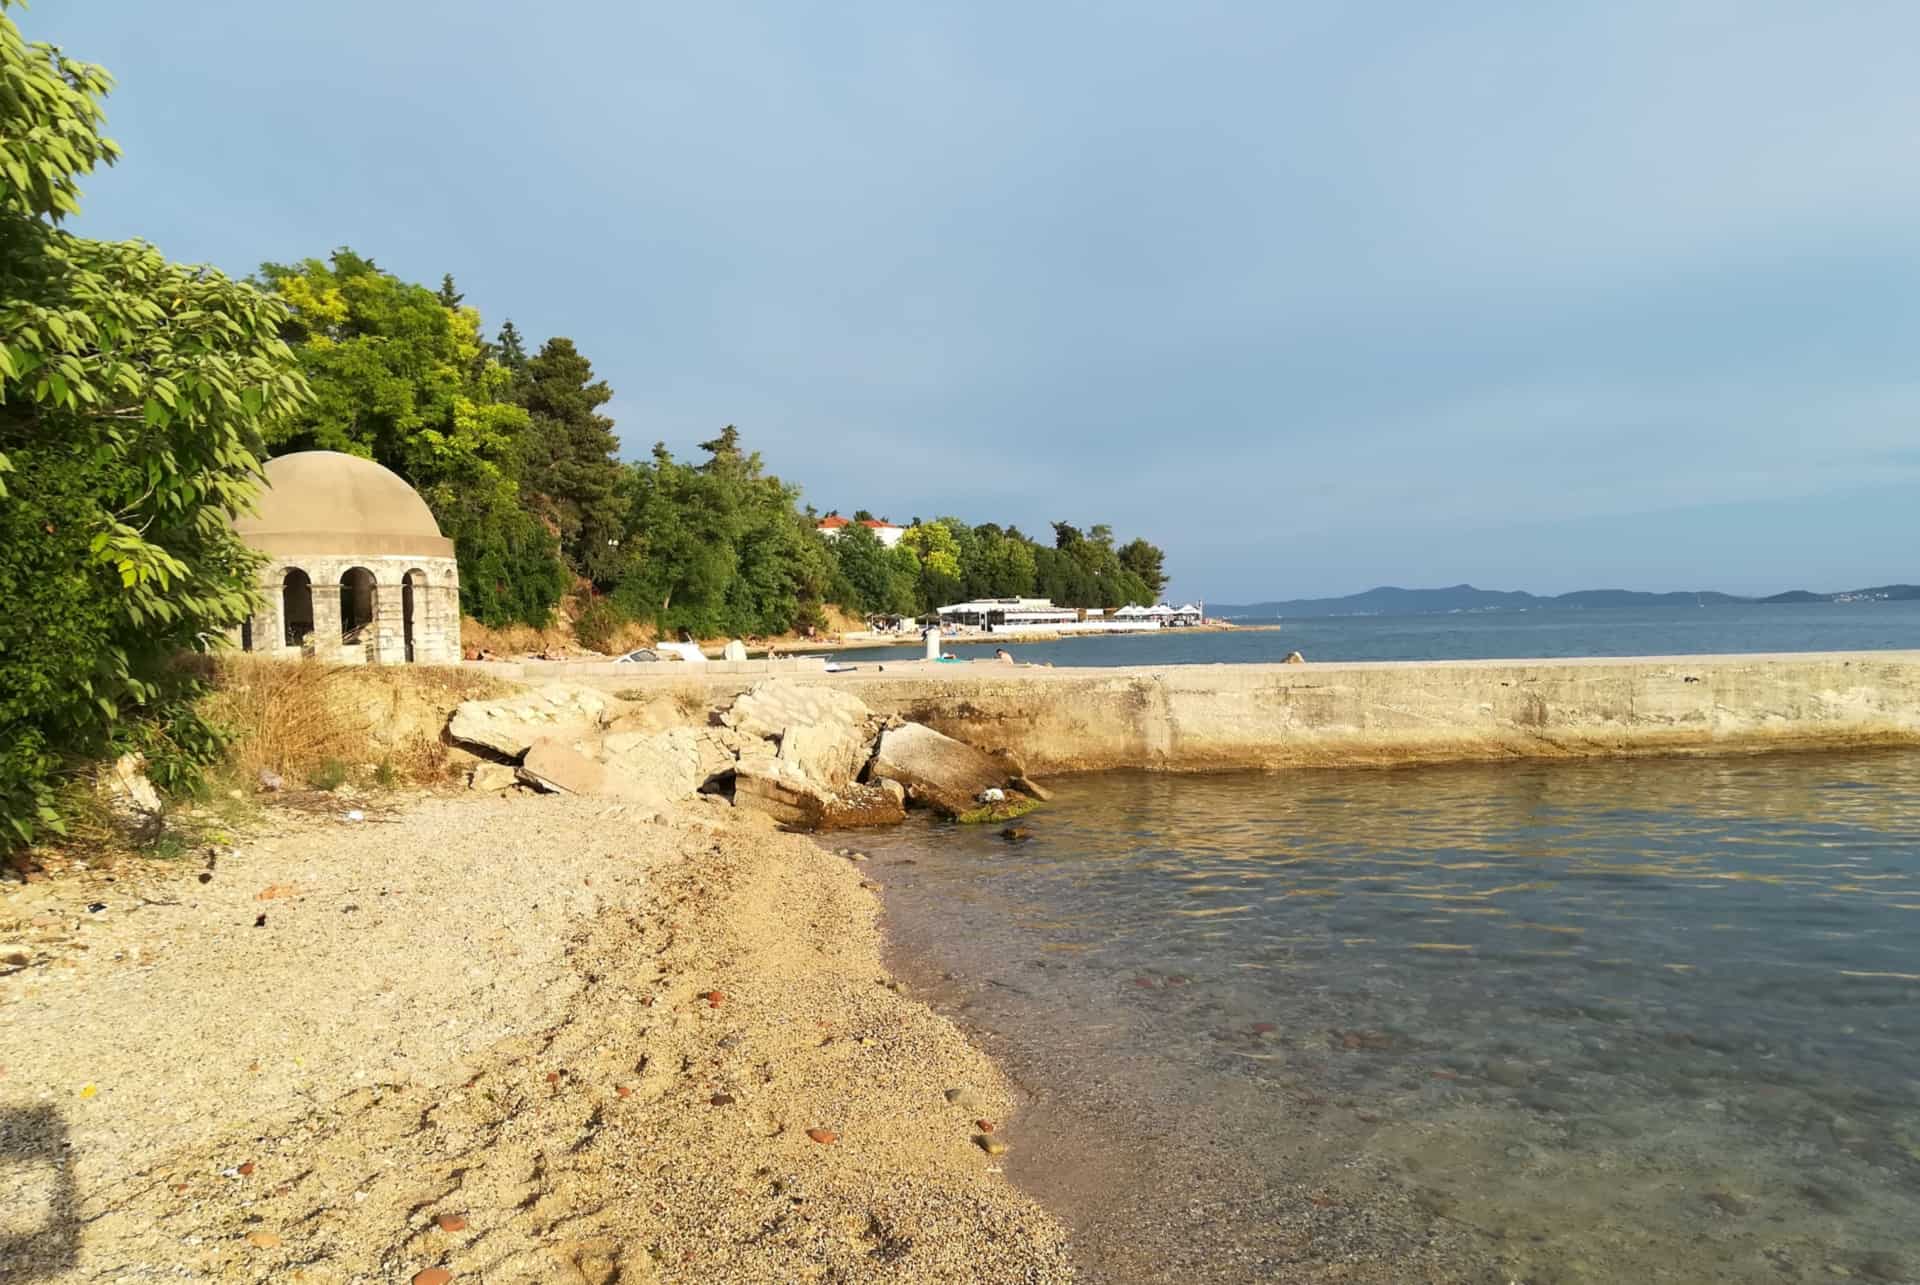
[(491, 776), (558, 711), (554, 767), (674, 763), (945, 774), (824, 733), (774, 787)]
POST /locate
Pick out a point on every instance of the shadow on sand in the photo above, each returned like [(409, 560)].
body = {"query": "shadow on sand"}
[(37, 1168)]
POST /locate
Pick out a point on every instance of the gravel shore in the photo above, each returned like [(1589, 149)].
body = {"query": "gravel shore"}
[(493, 1039)]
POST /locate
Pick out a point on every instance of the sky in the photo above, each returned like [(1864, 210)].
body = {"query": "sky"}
[(1316, 297)]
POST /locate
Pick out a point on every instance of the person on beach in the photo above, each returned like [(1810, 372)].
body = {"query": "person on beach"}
[(1002, 655)]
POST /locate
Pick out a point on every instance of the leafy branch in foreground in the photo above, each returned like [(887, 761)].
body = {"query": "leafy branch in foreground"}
[(133, 396)]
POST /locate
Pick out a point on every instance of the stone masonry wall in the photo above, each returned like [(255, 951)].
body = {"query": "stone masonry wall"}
[(436, 611)]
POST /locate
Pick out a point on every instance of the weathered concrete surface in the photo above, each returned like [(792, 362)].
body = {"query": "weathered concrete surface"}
[(1216, 717)]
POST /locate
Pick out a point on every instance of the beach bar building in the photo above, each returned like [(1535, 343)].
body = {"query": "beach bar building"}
[(1040, 616), (1005, 613), (356, 569)]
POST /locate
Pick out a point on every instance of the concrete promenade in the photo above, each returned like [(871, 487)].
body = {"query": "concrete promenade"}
[(1220, 717)]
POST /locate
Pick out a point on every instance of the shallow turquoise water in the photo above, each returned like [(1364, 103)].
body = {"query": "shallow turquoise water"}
[(1650, 1020), (1662, 631)]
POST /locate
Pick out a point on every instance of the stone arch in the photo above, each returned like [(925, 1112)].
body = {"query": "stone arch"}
[(416, 611), (296, 605), (357, 586)]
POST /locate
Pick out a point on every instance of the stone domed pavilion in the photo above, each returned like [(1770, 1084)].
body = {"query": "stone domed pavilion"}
[(357, 571)]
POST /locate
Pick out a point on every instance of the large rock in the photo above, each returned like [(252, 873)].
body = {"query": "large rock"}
[(824, 734), (130, 796), (775, 788), (674, 763), (777, 704), (555, 767), (558, 711), (937, 770), (491, 776)]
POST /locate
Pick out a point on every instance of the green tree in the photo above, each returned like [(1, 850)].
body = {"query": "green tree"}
[(1148, 563), (937, 557), (866, 571), (719, 548), (402, 379), (511, 351), (134, 393), (568, 472)]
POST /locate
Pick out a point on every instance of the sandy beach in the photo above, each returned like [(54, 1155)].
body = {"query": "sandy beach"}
[(501, 1038)]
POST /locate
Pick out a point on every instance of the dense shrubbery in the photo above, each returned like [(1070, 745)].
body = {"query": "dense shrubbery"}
[(134, 393)]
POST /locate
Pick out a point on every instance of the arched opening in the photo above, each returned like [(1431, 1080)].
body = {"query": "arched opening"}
[(296, 606), (356, 605), (415, 582), (246, 634)]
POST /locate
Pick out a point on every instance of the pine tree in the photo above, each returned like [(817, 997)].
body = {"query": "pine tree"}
[(511, 352), (568, 469)]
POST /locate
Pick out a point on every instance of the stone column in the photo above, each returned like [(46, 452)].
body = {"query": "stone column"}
[(269, 624), (386, 638), (326, 617)]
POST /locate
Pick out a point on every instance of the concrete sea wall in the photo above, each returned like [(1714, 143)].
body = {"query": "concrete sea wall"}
[(1218, 717)]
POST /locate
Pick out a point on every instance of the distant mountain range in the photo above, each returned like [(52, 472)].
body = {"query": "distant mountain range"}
[(1389, 601)]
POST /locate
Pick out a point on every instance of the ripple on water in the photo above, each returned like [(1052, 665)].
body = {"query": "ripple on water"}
[(1615, 1021)]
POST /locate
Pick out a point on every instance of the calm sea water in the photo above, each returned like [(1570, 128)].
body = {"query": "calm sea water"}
[(1665, 631), (1630, 1021)]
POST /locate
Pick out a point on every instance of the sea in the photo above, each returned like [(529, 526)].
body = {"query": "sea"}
[(1557, 631), (1639, 1020)]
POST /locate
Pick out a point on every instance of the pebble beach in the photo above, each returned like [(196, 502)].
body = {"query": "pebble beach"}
[(505, 1038)]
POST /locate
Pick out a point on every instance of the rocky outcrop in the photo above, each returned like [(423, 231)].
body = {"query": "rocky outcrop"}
[(937, 770), (792, 752), (808, 748), (554, 767), (558, 711), (774, 787), (676, 762)]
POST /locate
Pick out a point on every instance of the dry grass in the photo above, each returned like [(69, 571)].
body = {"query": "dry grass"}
[(319, 724), (524, 640)]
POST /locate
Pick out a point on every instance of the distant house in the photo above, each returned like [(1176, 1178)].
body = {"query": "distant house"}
[(886, 532)]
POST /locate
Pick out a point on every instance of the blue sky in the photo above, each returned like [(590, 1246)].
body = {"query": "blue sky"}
[(1314, 296)]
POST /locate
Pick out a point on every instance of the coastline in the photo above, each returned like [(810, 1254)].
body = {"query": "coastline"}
[(493, 1011), (304, 1049), (797, 645)]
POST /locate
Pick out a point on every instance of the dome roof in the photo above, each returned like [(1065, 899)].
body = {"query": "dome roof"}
[(326, 502)]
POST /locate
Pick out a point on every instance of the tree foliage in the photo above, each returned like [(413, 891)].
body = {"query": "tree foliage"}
[(134, 395), (401, 376), (718, 548), (945, 559), (568, 468)]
